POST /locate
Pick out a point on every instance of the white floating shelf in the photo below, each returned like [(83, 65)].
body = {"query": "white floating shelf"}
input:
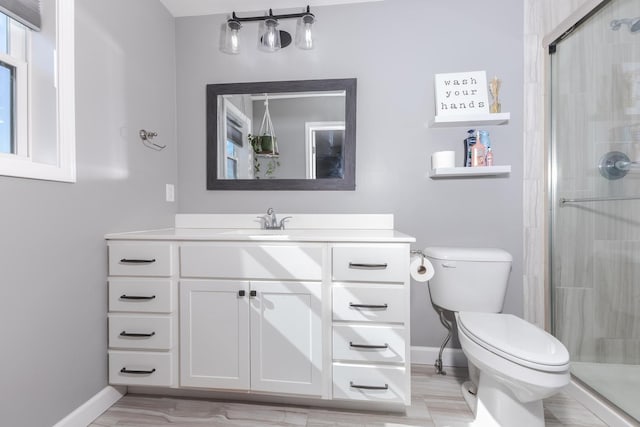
[(494, 119), (462, 172)]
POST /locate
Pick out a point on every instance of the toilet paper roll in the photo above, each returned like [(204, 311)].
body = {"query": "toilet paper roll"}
[(443, 159), (421, 269)]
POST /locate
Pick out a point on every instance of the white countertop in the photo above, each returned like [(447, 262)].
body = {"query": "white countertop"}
[(298, 235), (366, 228)]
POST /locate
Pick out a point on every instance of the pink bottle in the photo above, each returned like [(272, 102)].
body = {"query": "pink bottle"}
[(478, 152), (489, 160)]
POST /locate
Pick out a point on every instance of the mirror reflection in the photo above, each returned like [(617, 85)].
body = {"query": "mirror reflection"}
[(296, 135)]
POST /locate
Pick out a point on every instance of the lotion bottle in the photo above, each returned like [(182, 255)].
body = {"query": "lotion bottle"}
[(489, 161), (478, 152)]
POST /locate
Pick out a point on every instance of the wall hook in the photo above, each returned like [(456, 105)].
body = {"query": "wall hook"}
[(147, 140)]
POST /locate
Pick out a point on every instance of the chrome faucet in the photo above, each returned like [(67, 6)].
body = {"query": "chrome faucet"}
[(270, 221)]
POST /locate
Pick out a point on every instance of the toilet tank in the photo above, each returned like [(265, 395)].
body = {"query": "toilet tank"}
[(469, 279)]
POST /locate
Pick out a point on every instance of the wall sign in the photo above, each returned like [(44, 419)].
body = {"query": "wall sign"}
[(461, 93)]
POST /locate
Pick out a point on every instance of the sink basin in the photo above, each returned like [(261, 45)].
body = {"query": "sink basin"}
[(260, 233)]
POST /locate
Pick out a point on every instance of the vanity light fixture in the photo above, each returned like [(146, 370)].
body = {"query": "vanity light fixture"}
[(270, 39)]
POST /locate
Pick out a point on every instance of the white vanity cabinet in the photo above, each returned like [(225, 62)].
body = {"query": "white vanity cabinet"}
[(243, 326), (142, 319), (214, 334), (319, 313), (370, 284)]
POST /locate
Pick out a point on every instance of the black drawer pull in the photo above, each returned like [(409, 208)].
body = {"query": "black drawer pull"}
[(136, 372), (253, 293), (241, 293), (365, 266), (369, 387), (137, 261), (352, 345), (136, 297), (380, 306), (129, 334)]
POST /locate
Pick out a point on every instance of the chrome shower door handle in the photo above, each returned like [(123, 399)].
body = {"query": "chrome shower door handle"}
[(625, 166)]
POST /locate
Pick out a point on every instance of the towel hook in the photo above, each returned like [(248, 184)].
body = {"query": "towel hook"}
[(147, 139)]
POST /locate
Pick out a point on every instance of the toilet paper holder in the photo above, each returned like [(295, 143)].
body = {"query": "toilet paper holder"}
[(422, 269), (446, 323)]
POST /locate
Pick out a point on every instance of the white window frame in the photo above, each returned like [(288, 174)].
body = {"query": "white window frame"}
[(22, 164)]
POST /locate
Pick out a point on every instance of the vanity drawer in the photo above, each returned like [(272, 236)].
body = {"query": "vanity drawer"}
[(369, 303), (364, 343), (147, 296), (358, 382), (299, 261), (140, 332), (370, 263), (140, 368), (140, 259)]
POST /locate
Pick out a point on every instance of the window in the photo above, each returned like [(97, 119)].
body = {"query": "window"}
[(231, 171), (37, 115), (13, 79), (7, 95), (234, 140), (236, 154)]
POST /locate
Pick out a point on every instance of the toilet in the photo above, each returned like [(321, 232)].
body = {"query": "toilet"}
[(513, 364)]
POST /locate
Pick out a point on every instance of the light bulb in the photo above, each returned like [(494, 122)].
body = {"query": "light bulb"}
[(270, 38), (304, 34), (231, 42)]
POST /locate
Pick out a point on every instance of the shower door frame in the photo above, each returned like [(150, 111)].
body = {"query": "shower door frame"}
[(563, 30)]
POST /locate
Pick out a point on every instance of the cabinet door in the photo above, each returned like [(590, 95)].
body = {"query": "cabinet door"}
[(286, 337), (214, 334)]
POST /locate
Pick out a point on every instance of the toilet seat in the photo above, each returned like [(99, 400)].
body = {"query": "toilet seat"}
[(515, 339)]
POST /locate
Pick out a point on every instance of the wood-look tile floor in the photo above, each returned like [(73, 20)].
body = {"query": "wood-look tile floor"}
[(436, 402)]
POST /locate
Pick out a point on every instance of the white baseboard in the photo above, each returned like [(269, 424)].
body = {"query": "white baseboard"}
[(92, 408), (601, 409), (428, 355)]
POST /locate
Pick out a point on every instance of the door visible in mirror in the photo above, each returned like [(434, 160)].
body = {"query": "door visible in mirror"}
[(324, 149)]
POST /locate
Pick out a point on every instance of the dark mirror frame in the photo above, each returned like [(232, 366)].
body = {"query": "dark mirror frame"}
[(346, 183)]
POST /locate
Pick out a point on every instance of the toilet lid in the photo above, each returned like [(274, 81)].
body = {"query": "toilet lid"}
[(515, 339)]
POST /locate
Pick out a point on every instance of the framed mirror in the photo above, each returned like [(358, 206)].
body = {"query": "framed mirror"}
[(288, 135)]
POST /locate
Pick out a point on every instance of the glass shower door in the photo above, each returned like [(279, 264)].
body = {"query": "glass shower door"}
[(595, 233)]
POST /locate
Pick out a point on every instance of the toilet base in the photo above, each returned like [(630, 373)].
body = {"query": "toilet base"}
[(469, 392), (497, 406)]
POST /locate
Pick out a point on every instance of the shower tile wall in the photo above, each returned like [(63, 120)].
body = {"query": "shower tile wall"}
[(541, 17), (597, 244)]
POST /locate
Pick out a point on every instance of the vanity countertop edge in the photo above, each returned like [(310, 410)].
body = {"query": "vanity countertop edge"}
[(258, 235), (365, 228)]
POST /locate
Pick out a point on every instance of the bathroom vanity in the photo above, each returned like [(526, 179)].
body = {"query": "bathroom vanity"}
[(319, 311)]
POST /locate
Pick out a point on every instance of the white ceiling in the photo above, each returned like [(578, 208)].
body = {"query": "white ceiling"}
[(210, 7)]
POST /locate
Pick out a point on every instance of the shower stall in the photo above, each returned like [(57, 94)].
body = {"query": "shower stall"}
[(594, 178)]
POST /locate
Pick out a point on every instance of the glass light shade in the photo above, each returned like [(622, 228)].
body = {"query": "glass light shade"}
[(230, 39), (270, 38), (304, 34)]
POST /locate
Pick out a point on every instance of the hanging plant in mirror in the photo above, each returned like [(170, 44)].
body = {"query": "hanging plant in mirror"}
[(264, 154)]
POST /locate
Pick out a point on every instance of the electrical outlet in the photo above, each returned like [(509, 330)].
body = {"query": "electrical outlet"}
[(171, 193)]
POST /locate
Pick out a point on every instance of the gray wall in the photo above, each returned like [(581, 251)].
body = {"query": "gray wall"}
[(393, 48), (53, 297)]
